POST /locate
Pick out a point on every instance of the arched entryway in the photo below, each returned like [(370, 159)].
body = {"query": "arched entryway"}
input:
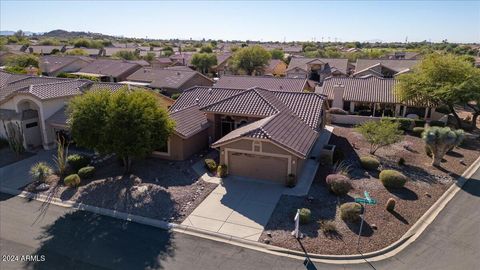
[(31, 123)]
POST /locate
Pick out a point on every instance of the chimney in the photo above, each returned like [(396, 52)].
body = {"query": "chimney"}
[(338, 91)]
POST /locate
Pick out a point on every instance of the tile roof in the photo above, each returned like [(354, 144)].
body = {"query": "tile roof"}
[(266, 82), (108, 67), (53, 63), (189, 121), (245, 103), (203, 96), (340, 64), (395, 65), (163, 78), (59, 118), (45, 48), (56, 89)]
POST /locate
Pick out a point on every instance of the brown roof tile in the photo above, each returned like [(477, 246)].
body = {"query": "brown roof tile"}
[(266, 82), (189, 121)]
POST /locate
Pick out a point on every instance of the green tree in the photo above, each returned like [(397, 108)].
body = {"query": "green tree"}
[(127, 55), (204, 61), (206, 49), (277, 54), (441, 80), (76, 51), (380, 133), (49, 41), (440, 140), (149, 57), (251, 59), (130, 124), (22, 60)]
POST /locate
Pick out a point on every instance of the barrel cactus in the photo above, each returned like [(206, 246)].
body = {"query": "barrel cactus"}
[(440, 140)]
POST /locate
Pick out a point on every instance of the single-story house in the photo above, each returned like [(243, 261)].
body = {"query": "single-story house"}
[(170, 81), (266, 82), (275, 67), (52, 65), (109, 70), (110, 51), (317, 69), (404, 56), (44, 49), (370, 96), (222, 67), (259, 133), (385, 68)]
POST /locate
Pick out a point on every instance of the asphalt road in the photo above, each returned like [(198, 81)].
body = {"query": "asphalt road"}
[(80, 240)]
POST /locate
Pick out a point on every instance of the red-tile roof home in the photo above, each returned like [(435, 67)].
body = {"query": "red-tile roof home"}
[(336, 64), (117, 69), (291, 120), (395, 66), (266, 82), (189, 121), (52, 65), (46, 49)]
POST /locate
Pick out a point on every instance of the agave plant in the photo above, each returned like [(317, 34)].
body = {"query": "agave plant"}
[(40, 171), (440, 140)]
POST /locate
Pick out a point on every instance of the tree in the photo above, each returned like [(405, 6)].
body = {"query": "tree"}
[(149, 57), (440, 140), (76, 51), (22, 61), (204, 61), (441, 80), (130, 124), (277, 54), (206, 49), (127, 55), (251, 59), (380, 134)]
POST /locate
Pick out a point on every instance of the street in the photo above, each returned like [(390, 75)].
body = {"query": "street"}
[(70, 239)]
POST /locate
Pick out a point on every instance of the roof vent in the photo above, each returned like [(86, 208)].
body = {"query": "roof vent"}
[(209, 90), (197, 101), (281, 87)]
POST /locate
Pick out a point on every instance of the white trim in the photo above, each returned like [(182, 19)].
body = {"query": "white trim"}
[(158, 153), (257, 143), (289, 158)]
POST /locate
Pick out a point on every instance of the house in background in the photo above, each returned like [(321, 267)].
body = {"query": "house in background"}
[(259, 133), (52, 65), (169, 80), (266, 82), (108, 70), (89, 51), (222, 67), (46, 50), (404, 56), (383, 68), (370, 96), (275, 67), (317, 69)]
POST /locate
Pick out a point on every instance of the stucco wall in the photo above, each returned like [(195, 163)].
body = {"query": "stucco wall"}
[(181, 149)]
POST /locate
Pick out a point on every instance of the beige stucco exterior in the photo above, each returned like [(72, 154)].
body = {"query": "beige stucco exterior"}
[(182, 148)]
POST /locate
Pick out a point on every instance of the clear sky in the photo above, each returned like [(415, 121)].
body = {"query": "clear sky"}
[(456, 21)]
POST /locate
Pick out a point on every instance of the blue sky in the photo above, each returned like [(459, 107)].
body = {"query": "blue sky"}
[(456, 21)]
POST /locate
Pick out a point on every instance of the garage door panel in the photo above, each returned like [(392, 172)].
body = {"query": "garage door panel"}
[(258, 166)]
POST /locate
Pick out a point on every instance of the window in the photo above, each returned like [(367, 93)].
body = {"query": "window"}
[(257, 146), (34, 124)]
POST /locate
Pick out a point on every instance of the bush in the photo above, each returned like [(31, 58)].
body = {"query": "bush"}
[(392, 179), (77, 161), (401, 161), (390, 206), (86, 172), (72, 180), (339, 184), (419, 123), (305, 215), (222, 171), (328, 226), (404, 123), (211, 165), (337, 111), (418, 131), (350, 212), (436, 123), (40, 171), (369, 163), (291, 180)]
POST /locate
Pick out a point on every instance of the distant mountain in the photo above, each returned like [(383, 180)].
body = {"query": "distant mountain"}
[(59, 33)]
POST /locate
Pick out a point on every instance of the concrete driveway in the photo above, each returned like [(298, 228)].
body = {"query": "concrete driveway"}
[(240, 208)]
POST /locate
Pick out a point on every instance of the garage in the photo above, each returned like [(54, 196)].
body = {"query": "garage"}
[(258, 166)]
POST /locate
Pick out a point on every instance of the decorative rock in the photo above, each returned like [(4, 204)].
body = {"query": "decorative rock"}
[(137, 181), (266, 241), (463, 162), (374, 226), (42, 187), (428, 195)]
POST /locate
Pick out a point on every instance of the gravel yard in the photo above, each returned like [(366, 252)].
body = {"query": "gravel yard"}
[(382, 227), (160, 189)]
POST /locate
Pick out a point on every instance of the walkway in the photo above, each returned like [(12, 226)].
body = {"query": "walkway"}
[(240, 208)]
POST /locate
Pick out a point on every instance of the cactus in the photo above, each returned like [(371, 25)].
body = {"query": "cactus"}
[(440, 140)]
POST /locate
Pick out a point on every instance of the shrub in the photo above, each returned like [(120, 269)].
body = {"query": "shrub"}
[(337, 111), (291, 180), (392, 178), (211, 164), (175, 96), (401, 161), (369, 163), (86, 172), (436, 123), (305, 215), (380, 133), (40, 171), (77, 161), (72, 180), (418, 131), (328, 226), (440, 140), (390, 206), (405, 123), (338, 155), (339, 184), (350, 212), (419, 123), (222, 171), (341, 167)]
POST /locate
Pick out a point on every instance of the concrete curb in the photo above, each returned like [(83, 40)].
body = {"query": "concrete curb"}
[(411, 235)]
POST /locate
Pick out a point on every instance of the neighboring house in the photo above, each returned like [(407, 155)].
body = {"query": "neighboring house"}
[(37, 105), (276, 67), (89, 51), (16, 48), (169, 81), (266, 82), (259, 133), (308, 67), (369, 96), (52, 65), (382, 68), (162, 62), (404, 56), (222, 67), (45, 50), (182, 59), (293, 50), (108, 70), (4, 55)]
